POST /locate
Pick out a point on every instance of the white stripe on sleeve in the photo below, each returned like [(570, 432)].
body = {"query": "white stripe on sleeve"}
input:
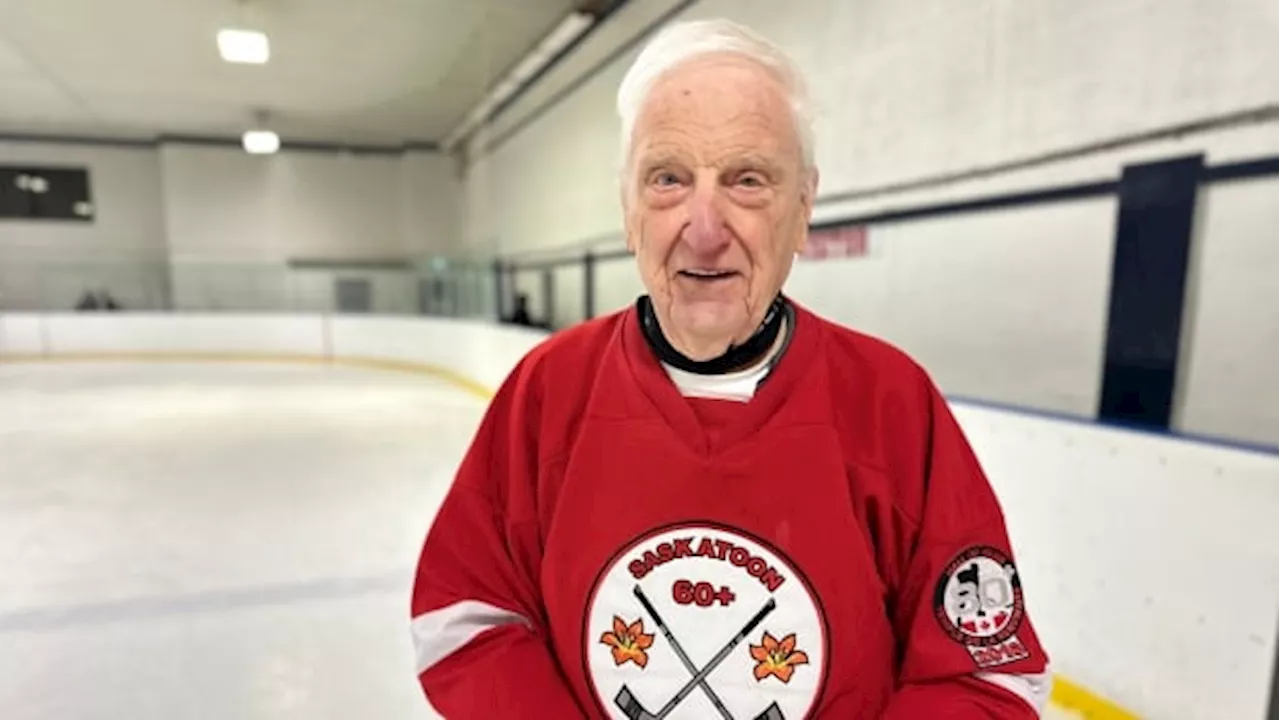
[(1034, 689), (440, 633)]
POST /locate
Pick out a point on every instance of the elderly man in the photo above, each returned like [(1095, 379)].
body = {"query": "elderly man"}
[(715, 503)]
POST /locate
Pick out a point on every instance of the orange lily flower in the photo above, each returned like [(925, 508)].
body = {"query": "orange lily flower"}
[(777, 658), (629, 642)]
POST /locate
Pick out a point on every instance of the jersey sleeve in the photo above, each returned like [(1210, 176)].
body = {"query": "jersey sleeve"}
[(967, 646), (478, 624)]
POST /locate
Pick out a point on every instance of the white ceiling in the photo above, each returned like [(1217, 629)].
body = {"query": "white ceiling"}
[(355, 71)]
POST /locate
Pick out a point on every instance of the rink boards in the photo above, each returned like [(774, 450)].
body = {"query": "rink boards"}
[(1149, 561)]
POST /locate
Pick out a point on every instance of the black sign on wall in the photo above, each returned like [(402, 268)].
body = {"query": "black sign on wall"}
[(1148, 289), (45, 193), (1274, 712)]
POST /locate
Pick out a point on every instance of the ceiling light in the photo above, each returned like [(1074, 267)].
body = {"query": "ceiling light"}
[(244, 46), (261, 142)]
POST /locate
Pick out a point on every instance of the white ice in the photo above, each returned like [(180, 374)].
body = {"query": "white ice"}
[(216, 540)]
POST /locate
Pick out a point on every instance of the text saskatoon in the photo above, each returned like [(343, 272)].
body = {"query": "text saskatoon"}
[(722, 550)]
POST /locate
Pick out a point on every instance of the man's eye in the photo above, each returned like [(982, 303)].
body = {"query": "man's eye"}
[(751, 180), (665, 179)]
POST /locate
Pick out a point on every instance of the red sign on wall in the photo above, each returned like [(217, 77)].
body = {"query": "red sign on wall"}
[(838, 242)]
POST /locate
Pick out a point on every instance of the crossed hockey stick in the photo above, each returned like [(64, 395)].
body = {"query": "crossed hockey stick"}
[(635, 710)]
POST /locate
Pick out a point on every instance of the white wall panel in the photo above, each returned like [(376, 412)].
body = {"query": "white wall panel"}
[(1219, 146), (336, 204), (431, 205), (235, 220), (225, 204), (617, 285), (1007, 305), (555, 184), (217, 204), (568, 295), (1229, 366)]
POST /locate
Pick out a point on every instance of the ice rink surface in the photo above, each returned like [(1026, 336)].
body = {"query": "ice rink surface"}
[(216, 541), (222, 540)]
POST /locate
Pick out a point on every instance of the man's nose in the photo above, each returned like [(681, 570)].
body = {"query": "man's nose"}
[(706, 233)]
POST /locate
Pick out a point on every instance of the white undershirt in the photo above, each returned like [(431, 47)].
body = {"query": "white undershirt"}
[(739, 385)]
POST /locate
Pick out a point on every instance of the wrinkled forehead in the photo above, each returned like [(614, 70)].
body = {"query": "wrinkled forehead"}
[(714, 105)]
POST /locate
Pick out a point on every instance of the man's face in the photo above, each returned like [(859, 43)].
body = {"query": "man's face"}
[(717, 200)]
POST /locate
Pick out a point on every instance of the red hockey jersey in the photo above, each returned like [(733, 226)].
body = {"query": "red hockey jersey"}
[(829, 549)]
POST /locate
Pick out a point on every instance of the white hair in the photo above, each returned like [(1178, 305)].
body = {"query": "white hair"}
[(677, 44)]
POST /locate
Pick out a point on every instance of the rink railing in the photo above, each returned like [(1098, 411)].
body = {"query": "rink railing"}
[(1150, 562)]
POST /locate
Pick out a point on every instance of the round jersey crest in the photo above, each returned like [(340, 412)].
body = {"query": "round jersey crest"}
[(704, 621)]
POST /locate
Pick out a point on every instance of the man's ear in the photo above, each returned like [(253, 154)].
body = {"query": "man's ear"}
[(629, 220), (808, 191)]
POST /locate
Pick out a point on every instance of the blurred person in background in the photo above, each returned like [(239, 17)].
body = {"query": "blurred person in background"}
[(715, 503), (521, 315), (101, 300)]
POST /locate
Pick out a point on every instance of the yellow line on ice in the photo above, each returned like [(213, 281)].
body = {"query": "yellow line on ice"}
[(441, 373), (1076, 698)]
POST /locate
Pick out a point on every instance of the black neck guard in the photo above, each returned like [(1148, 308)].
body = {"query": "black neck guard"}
[(736, 357)]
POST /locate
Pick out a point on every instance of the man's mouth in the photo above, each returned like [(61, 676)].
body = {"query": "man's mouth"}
[(707, 274)]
